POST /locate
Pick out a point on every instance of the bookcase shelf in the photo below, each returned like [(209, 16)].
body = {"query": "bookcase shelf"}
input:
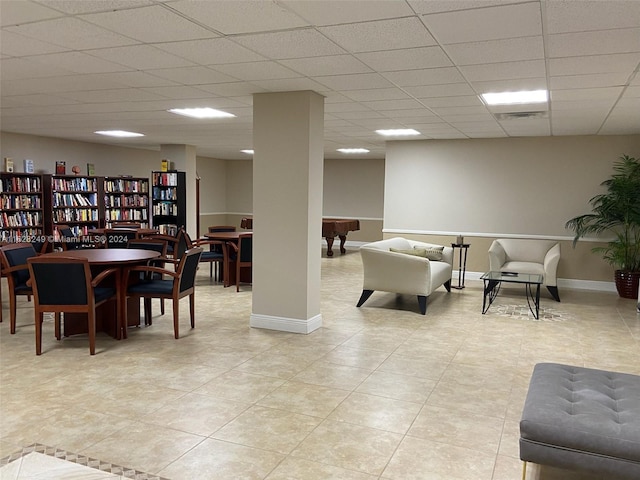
[(73, 200), (21, 207), (169, 201), (126, 199)]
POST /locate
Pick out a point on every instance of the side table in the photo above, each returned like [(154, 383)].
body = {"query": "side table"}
[(462, 262)]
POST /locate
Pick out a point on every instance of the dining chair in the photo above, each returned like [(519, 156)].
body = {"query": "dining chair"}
[(217, 247), (179, 284), (66, 285), (118, 237), (240, 257), (69, 240), (13, 257), (156, 245)]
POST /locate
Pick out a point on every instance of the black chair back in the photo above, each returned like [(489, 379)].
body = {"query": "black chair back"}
[(118, 237), (245, 250), (188, 267), (61, 283), (15, 254)]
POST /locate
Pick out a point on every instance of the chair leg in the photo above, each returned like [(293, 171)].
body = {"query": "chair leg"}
[(92, 332), (447, 285), (176, 315), (422, 301), (56, 320), (162, 306), (554, 293), (12, 313), (192, 309), (147, 311), (364, 297), (39, 317)]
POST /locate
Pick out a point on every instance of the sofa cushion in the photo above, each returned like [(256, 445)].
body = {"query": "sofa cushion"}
[(418, 252), (432, 253)]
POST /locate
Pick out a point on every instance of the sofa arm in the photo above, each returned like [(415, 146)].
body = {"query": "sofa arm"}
[(551, 260), (497, 256), (395, 272)]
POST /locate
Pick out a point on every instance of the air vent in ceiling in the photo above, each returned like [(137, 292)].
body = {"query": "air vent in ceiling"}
[(520, 115)]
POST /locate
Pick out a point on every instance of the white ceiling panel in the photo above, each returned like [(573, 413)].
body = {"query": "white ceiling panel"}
[(68, 66)]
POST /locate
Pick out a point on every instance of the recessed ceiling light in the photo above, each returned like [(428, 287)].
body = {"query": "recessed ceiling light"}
[(201, 112), (119, 133), (511, 98), (249, 152), (353, 150), (398, 132)]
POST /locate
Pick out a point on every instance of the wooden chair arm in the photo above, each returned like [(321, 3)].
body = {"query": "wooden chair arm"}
[(150, 269), (95, 281), (15, 268)]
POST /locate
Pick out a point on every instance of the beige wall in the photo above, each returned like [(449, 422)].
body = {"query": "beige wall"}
[(490, 188)]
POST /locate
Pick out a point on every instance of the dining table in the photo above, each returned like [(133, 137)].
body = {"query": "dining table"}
[(225, 238), (99, 259)]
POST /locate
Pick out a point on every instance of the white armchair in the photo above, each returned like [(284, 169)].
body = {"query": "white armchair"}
[(527, 256), (402, 273)]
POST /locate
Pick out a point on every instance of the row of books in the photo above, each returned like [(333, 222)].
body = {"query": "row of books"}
[(25, 202), (17, 235), (74, 200), (132, 214), (126, 200), (165, 179), (20, 184), (126, 186), (165, 194), (75, 215), (20, 219), (80, 183), (165, 209)]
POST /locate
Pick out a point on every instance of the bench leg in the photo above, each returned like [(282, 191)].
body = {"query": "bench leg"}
[(363, 298), (524, 470)]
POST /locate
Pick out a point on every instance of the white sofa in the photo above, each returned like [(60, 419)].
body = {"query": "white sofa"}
[(527, 256), (389, 271)]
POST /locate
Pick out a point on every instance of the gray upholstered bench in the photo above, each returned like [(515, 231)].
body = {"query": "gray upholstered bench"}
[(583, 419)]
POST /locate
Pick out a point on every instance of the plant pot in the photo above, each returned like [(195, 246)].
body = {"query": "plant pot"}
[(627, 283)]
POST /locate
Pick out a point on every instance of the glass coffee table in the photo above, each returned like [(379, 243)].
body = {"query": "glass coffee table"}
[(493, 280)]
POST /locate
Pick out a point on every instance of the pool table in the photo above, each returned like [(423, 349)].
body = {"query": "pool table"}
[(331, 228)]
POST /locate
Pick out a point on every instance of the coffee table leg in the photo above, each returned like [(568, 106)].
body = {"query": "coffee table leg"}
[(491, 289), (535, 300)]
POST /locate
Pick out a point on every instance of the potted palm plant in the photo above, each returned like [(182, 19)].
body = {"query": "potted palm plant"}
[(617, 212)]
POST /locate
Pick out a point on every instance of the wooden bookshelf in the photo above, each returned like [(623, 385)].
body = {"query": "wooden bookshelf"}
[(73, 200), (21, 207), (169, 201), (126, 199)]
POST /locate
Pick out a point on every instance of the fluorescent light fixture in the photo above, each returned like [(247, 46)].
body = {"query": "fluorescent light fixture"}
[(248, 152), (512, 98), (398, 132), (205, 112), (353, 150), (119, 133)]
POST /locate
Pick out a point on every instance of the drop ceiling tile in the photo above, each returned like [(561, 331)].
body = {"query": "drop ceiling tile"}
[(176, 92), (345, 107), (329, 65), (437, 6), (460, 110), (355, 81), (513, 84), (91, 6), (141, 57), (288, 84), (451, 90), (624, 62), (589, 94), (477, 117), (115, 95), (495, 51), (633, 92), (376, 94), (569, 106), (492, 23), (593, 43), (588, 81), (212, 51), (17, 12), (232, 17), (137, 79), (386, 105), (623, 125), (571, 16), (506, 70), (12, 44), (393, 34), (78, 62), (22, 68), (290, 44), (334, 12), (358, 116), (232, 89), (413, 114), (425, 76), (149, 24), (453, 101), (41, 100), (192, 75), (256, 71), (70, 32), (407, 59)]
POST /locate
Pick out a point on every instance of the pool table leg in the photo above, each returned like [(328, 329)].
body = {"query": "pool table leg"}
[(329, 246)]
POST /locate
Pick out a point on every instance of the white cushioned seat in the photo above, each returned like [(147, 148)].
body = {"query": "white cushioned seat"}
[(397, 272), (527, 256)]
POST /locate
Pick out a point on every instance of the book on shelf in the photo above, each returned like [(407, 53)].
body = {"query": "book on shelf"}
[(164, 165), (28, 165), (61, 167), (8, 164), (91, 169)]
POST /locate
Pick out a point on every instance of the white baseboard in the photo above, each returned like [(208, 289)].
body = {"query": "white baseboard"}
[(293, 325)]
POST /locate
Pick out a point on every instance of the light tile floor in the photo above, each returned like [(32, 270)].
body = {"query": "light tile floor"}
[(378, 392)]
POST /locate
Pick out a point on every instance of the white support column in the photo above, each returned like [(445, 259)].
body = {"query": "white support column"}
[(183, 158), (288, 142)]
